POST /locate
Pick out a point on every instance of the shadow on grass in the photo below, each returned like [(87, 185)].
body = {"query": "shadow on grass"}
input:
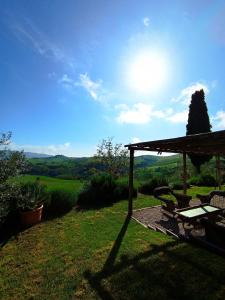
[(12, 226), (9, 229), (173, 270), (82, 208)]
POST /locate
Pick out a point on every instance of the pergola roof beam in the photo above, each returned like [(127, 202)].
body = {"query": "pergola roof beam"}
[(212, 143)]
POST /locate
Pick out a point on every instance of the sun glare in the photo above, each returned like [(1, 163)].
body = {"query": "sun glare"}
[(147, 72)]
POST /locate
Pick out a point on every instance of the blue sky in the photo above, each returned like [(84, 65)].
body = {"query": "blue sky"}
[(73, 72)]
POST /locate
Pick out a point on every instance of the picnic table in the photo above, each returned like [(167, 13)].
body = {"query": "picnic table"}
[(193, 214)]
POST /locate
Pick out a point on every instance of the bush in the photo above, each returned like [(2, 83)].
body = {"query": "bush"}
[(9, 192), (60, 202), (203, 180), (101, 191), (121, 191), (149, 186)]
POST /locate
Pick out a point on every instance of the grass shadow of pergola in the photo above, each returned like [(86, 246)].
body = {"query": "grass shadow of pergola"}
[(168, 271)]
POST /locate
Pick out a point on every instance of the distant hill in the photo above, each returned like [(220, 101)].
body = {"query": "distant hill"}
[(36, 155), (143, 161), (76, 167), (145, 166)]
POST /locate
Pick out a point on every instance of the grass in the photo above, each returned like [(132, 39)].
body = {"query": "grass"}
[(100, 254), (54, 183)]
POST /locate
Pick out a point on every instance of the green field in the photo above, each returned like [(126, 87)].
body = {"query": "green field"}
[(54, 183), (99, 254)]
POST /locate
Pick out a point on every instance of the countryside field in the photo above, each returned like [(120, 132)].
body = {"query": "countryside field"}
[(100, 254), (54, 183)]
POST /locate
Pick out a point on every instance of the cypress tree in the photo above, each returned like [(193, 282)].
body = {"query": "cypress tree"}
[(198, 122)]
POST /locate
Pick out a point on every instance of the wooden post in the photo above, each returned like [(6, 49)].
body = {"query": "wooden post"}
[(218, 168), (130, 201), (184, 173)]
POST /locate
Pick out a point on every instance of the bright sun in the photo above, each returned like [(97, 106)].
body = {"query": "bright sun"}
[(147, 72)]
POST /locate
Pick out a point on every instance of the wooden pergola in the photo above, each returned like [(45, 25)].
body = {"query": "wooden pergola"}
[(212, 143)]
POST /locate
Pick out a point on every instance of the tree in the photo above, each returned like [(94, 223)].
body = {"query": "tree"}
[(113, 157), (198, 122), (12, 163)]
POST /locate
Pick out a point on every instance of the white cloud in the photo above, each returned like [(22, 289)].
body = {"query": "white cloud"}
[(219, 119), (135, 140), (94, 88), (139, 113), (46, 149), (66, 80), (54, 149), (178, 117), (185, 95), (146, 21)]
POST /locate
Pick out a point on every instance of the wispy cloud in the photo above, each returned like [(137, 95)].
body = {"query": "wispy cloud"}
[(138, 113), (185, 95), (146, 21), (219, 119), (29, 34), (135, 140), (65, 80), (95, 89), (178, 117)]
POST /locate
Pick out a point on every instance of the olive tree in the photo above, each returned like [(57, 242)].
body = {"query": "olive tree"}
[(12, 163), (113, 157)]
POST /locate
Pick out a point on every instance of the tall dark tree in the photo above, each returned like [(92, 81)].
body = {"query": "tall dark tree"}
[(198, 122)]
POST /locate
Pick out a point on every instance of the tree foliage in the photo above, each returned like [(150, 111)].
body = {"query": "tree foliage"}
[(198, 122), (113, 157), (11, 164)]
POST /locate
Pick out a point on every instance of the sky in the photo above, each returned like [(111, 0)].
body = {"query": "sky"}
[(75, 72)]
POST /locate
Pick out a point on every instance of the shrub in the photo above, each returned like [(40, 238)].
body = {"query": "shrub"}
[(8, 192), (12, 163), (60, 202), (101, 191), (121, 191), (149, 186), (203, 180)]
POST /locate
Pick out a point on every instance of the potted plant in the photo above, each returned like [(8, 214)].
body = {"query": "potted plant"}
[(30, 202)]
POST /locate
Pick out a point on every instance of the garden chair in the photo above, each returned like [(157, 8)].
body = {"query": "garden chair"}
[(181, 200)]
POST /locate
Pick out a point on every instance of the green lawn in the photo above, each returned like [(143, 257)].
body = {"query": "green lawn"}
[(99, 254)]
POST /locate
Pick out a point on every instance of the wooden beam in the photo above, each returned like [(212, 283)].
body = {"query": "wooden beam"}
[(218, 168), (184, 173), (209, 151), (131, 183)]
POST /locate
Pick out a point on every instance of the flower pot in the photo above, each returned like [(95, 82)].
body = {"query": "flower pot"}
[(31, 217)]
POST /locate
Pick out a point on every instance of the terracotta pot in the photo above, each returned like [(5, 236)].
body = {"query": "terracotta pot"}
[(31, 217)]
